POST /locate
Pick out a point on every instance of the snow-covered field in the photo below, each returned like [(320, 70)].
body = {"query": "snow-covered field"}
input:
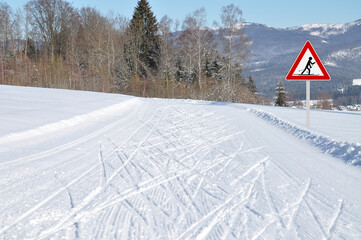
[(101, 166)]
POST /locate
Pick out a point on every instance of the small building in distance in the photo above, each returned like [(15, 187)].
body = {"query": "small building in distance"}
[(356, 82)]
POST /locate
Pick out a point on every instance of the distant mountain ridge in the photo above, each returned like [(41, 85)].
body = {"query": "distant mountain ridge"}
[(275, 49)]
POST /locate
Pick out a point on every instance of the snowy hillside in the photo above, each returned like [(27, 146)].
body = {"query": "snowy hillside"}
[(326, 30), (102, 166)]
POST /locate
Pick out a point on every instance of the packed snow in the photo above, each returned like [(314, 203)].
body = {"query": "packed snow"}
[(83, 165)]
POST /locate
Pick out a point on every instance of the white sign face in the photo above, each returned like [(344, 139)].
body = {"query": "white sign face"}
[(308, 66)]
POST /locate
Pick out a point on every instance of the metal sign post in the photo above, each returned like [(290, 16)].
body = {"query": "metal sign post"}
[(308, 83)]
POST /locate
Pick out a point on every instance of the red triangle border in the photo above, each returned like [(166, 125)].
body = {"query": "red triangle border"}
[(308, 46)]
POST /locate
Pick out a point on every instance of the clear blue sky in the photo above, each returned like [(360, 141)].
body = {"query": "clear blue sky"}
[(276, 13)]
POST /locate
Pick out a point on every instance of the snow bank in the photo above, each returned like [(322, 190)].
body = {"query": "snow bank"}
[(71, 122), (350, 153)]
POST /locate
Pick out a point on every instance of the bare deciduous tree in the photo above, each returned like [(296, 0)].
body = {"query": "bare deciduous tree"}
[(166, 67), (197, 40), (5, 35), (51, 21), (236, 47)]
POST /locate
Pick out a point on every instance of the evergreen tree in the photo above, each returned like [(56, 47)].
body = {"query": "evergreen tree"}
[(215, 70), (180, 73), (207, 67), (237, 74), (280, 95), (251, 85), (145, 40), (30, 49)]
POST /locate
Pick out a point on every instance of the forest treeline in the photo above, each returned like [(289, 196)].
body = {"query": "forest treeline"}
[(49, 43)]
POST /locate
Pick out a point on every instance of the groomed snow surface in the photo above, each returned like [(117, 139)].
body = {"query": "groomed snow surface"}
[(82, 165)]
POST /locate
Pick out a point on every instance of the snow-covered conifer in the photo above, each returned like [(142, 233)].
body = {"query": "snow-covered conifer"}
[(280, 95)]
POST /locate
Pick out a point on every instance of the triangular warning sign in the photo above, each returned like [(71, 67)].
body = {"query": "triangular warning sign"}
[(308, 66)]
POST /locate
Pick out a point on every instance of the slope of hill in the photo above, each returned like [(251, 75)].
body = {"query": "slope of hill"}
[(101, 166), (275, 49)]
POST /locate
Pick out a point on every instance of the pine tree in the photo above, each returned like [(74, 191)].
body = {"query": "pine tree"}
[(251, 85), (237, 71), (280, 95), (207, 67), (145, 40), (30, 49), (179, 74), (215, 69)]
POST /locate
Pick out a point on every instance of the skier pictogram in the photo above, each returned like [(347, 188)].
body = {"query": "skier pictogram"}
[(308, 66)]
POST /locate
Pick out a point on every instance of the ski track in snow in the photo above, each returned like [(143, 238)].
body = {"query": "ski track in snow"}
[(181, 172)]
